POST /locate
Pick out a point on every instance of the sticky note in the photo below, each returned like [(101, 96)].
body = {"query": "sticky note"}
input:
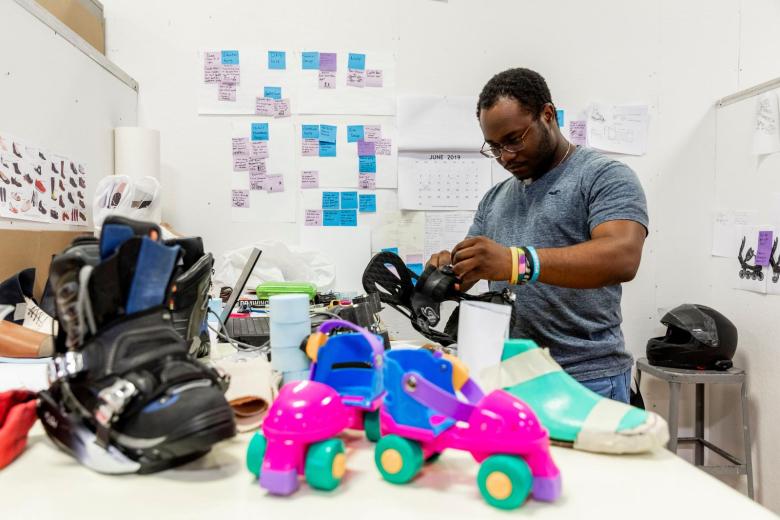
[(764, 249), (328, 133), (240, 163), (393, 250), (256, 181), (212, 75), (383, 146), (331, 217), (229, 57), (559, 114), (227, 92), (367, 203), (357, 61), (356, 78), (265, 106), (230, 74), (414, 259), (327, 79), (348, 217), (366, 148), (274, 183), (240, 146), (416, 268), (372, 132), (310, 148), (282, 107), (367, 181), (211, 59), (272, 92), (330, 200), (277, 60), (354, 133), (310, 131), (258, 149), (367, 164), (256, 164), (312, 217), (328, 61), (310, 60), (577, 132), (349, 200), (374, 78), (259, 131), (239, 198), (310, 179), (327, 149)]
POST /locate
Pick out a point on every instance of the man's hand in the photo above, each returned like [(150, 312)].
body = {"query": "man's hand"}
[(439, 259), (479, 258)]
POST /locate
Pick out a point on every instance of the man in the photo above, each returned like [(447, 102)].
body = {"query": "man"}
[(580, 219)]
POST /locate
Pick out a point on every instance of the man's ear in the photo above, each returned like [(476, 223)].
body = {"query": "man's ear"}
[(548, 112)]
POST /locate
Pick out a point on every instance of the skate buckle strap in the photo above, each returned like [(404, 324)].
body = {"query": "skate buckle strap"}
[(65, 365), (430, 395), (113, 399)]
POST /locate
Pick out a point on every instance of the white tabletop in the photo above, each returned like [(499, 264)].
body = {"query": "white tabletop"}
[(45, 483)]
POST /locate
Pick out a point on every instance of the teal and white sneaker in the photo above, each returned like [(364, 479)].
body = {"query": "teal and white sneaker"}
[(573, 414)]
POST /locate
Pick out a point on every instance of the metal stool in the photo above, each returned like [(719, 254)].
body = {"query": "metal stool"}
[(678, 376)]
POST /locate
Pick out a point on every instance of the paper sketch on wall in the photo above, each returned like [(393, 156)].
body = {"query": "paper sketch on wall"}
[(766, 135), (618, 128), (752, 265)]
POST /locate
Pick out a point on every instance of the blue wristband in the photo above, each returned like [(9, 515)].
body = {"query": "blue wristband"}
[(535, 273)]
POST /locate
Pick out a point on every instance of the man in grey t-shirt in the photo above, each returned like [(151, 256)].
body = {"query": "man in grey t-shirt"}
[(584, 213)]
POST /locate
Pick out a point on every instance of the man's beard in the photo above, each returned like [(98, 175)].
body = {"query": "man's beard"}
[(546, 154)]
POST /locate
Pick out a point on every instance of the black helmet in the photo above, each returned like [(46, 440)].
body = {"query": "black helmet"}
[(697, 337)]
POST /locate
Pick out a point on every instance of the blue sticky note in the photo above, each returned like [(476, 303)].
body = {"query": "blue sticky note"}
[(310, 60), (229, 57), (331, 217), (367, 203), (367, 164), (416, 268), (330, 200), (349, 200), (327, 149), (357, 61), (559, 113), (328, 133), (272, 92), (310, 131), (348, 217), (390, 250), (355, 133), (277, 60), (259, 131)]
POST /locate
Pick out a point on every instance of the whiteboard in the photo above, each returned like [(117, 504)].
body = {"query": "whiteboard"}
[(58, 93)]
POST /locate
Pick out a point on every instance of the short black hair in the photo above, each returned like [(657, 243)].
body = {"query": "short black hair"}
[(523, 85)]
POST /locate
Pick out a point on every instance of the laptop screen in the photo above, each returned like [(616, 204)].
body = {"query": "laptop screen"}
[(254, 256)]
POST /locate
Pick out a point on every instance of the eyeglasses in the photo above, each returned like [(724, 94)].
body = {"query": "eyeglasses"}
[(494, 152)]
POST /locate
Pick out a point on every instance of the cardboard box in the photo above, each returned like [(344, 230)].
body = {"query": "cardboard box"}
[(85, 17), (24, 248)]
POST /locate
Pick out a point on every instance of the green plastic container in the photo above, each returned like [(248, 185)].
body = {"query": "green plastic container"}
[(267, 289)]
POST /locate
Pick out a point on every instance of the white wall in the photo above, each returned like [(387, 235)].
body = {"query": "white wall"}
[(677, 56)]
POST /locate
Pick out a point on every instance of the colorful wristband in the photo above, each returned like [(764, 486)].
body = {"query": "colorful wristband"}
[(521, 268), (513, 278), (536, 267)]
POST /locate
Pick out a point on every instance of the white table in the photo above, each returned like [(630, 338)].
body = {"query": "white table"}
[(45, 483)]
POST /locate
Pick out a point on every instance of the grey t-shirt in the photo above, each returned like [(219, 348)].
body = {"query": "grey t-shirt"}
[(580, 326)]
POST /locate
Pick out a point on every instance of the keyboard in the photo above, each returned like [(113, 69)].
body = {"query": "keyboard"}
[(252, 330)]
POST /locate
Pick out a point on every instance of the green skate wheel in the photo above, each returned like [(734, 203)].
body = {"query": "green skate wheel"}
[(325, 464), (398, 459), (255, 453), (371, 425), (504, 481)]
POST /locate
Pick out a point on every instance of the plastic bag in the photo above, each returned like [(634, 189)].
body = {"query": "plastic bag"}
[(138, 199), (279, 262)]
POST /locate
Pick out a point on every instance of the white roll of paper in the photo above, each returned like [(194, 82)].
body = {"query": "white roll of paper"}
[(136, 152)]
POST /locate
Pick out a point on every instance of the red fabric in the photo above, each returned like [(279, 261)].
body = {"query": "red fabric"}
[(17, 416)]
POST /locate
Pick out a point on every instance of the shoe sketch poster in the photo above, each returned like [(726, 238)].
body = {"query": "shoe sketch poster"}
[(753, 257), (40, 186)]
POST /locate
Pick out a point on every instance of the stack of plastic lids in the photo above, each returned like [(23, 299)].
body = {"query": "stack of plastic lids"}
[(290, 325)]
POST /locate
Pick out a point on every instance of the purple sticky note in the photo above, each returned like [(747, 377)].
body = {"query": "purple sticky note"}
[(231, 74), (366, 148), (258, 149), (328, 61), (265, 106), (211, 59), (373, 78), (240, 198), (227, 92), (384, 146), (313, 217), (240, 163), (414, 259), (764, 247), (372, 132), (240, 145), (282, 108), (256, 164), (577, 132), (310, 179), (257, 180), (274, 183), (310, 147), (356, 78), (327, 79), (367, 181)]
